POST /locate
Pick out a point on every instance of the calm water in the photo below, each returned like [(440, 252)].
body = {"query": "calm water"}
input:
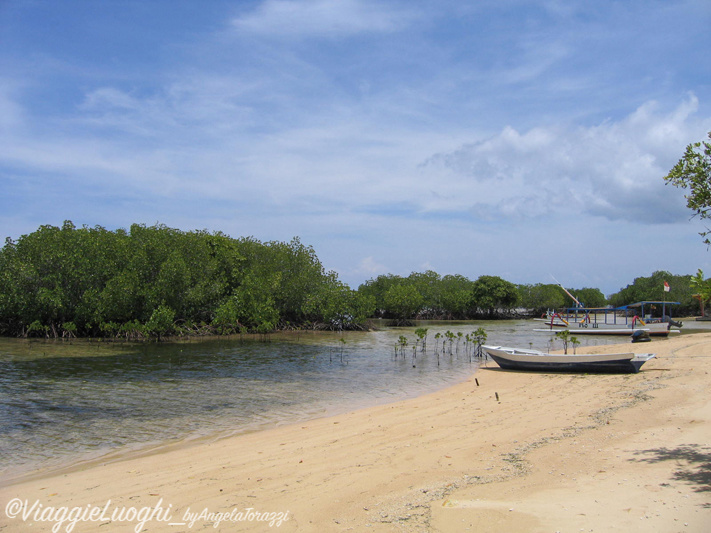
[(61, 403)]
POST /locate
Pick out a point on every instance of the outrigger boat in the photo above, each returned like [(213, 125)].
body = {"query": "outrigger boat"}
[(623, 320), (534, 360), (553, 319)]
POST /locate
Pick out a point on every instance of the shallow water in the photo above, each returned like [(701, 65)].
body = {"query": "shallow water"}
[(66, 402)]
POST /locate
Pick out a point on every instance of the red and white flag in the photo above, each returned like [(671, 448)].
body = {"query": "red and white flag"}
[(666, 287)]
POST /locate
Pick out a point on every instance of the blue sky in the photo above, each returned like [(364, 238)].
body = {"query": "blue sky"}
[(512, 138)]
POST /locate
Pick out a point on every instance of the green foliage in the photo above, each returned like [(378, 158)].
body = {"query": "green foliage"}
[(287, 274), (421, 295), (491, 293), (540, 298), (161, 321), (701, 289), (565, 337), (337, 306), (429, 285), (693, 172), (401, 344), (140, 283), (376, 289), (151, 281), (403, 301), (422, 337), (479, 338), (455, 296), (652, 289), (37, 329), (590, 297), (255, 301), (226, 317), (69, 329)]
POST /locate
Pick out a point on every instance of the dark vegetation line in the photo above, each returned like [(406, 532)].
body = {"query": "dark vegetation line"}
[(150, 282)]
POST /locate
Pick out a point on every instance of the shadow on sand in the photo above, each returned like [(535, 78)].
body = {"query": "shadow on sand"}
[(693, 460)]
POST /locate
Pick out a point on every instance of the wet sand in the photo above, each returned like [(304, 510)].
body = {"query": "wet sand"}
[(555, 452)]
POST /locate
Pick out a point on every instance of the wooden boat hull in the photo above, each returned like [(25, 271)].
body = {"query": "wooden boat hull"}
[(533, 360)]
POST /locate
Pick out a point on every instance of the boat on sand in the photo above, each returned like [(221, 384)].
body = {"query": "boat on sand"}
[(535, 360)]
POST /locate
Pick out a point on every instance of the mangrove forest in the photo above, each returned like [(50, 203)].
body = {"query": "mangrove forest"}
[(154, 281)]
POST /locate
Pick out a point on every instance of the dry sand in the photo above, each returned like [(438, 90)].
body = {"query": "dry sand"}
[(556, 452)]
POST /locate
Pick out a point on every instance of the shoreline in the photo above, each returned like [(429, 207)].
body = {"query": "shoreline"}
[(446, 461), (139, 450)]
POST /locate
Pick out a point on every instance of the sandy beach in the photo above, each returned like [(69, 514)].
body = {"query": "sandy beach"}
[(555, 452)]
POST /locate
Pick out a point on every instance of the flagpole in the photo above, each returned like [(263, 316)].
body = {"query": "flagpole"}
[(664, 299)]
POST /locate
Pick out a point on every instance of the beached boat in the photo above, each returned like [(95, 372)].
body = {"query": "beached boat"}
[(623, 320), (524, 359)]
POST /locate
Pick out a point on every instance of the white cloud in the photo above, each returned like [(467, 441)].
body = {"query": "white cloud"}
[(111, 98), (369, 267), (11, 113), (613, 169), (320, 18)]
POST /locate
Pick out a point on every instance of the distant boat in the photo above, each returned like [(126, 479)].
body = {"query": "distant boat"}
[(554, 320), (551, 318), (524, 359), (623, 320)]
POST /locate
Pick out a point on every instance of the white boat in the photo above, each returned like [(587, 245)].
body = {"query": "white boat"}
[(657, 329), (525, 359), (623, 320)]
